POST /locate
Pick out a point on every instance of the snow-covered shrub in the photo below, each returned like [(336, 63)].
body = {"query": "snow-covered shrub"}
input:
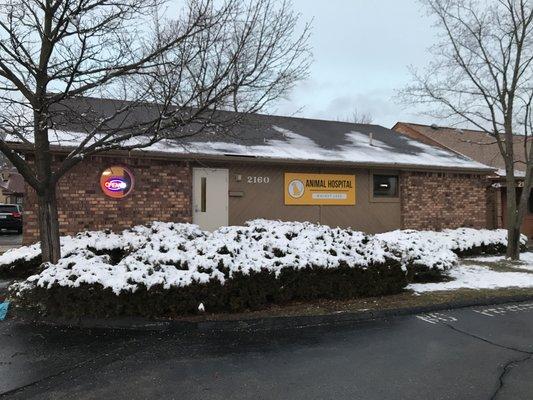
[(474, 242), (427, 254), (243, 267), (21, 267), (250, 291), (25, 261), (178, 266)]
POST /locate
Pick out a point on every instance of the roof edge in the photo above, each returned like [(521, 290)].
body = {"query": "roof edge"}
[(435, 142), (25, 148), (450, 128)]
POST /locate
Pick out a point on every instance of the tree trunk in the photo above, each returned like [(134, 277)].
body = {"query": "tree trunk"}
[(49, 225), (46, 190), (513, 243), (513, 223)]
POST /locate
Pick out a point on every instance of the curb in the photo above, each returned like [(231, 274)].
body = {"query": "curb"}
[(266, 323)]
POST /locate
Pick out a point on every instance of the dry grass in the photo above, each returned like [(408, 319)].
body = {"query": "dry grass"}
[(498, 266), (404, 300)]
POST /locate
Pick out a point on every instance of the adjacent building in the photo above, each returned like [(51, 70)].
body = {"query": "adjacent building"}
[(12, 186), (481, 147)]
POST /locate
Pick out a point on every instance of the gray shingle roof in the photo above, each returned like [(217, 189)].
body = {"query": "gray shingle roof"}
[(275, 137)]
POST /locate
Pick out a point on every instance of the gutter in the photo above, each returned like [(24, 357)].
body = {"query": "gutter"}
[(161, 155)]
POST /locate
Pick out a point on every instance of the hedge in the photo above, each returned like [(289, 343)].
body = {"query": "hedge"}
[(166, 269), (242, 292)]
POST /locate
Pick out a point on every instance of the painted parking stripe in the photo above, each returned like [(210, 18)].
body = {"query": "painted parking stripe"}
[(502, 310), (436, 318)]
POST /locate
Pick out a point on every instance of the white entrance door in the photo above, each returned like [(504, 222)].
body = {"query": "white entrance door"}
[(210, 198)]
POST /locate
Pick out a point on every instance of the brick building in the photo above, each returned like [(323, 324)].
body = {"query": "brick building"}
[(12, 186), (350, 175), (482, 148)]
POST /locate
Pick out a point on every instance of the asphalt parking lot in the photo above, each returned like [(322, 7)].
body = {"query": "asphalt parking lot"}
[(9, 239), (471, 353)]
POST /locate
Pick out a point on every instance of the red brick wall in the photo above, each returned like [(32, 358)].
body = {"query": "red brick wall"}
[(162, 192), (492, 208), (443, 200)]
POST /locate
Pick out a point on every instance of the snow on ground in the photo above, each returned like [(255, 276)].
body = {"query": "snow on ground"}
[(476, 277), (486, 259), (526, 260)]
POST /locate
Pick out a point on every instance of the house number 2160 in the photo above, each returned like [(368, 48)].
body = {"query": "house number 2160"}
[(258, 179)]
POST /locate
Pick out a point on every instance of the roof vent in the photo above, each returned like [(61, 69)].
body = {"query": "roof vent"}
[(434, 126), (370, 139)]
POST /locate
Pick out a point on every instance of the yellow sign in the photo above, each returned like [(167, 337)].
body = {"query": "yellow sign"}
[(319, 189)]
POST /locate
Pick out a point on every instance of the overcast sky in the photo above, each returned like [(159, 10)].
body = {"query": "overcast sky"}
[(362, 49)]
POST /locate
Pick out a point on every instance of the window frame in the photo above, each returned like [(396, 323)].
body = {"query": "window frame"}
[(384, 199)]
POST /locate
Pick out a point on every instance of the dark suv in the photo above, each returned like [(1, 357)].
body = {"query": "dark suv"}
[(11, 217)]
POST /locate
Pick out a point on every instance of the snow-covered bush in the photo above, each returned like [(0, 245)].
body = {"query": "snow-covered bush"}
[(175, 267), (26, 260), (233, 268), (426, 254)]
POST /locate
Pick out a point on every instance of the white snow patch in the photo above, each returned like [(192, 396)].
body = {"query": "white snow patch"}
[(526, 260), (476, 277), (517, 173), (486, 258)]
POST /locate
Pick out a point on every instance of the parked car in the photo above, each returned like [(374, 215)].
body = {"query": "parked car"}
[(11, 217)]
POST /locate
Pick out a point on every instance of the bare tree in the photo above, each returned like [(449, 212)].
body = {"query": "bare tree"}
[(236, 54), (357, 117), (482, 74)]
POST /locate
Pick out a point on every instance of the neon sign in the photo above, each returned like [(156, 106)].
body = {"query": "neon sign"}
[(116, 182)]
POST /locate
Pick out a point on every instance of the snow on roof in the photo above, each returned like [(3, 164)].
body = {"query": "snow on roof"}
[(267, 137), (517, 173), (356, 147), (476, 144)]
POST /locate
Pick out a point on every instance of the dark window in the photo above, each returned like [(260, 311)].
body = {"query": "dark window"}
[(530, 202), (8, 209), (385, 186), (203, 195)]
